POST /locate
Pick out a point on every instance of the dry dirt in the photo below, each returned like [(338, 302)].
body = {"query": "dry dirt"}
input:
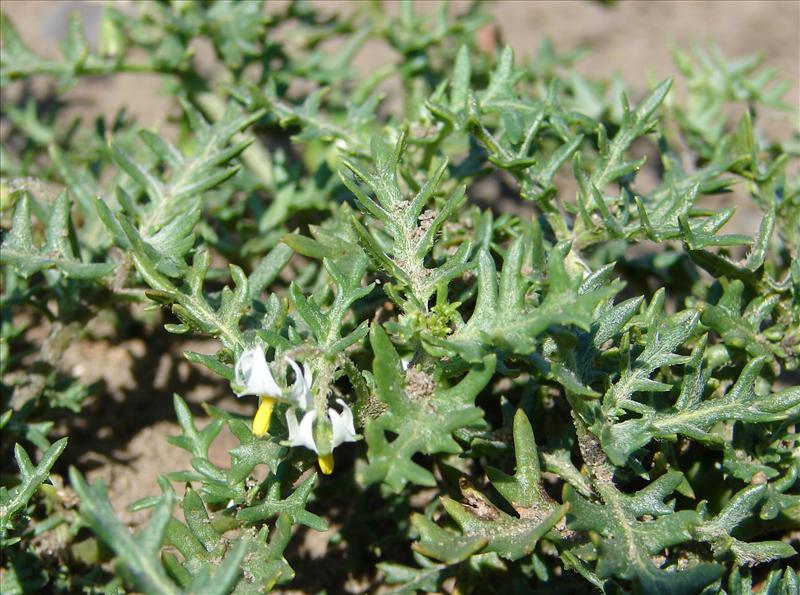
[(125, 443)]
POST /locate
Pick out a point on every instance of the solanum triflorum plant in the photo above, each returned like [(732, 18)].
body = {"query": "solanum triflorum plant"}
[(580, 379)]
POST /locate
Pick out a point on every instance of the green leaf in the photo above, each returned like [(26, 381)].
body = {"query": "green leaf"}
[(294, 506), (410, 230), (166, 221), (422, 420), (718, 531), (634, 124), (413, 580), (695, 418), (19, 61), (665, 334), (20, 251), (743, 329), (484, 527), (13, 501), (195, 442), (625, 544), (504, 317), (268, 269), (137, 553), (213, 563)]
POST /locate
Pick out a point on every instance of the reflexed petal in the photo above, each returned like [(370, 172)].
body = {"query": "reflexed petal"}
[(342, 425), (300, 391), (253, 373), (292, 426), (347, 415), (302, 435), (244, 365)]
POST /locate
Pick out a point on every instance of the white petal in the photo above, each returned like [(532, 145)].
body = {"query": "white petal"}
[(342, 425), (244, 365), (347, 414), (252, 372), (305, 435), (291, 425), (300, 391)]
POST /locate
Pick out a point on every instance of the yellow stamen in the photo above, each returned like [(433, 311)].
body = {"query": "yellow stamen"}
[(263, 415), (325, 463)]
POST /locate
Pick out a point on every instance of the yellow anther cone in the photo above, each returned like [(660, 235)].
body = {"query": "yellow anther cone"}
[(263, 415), (325, 463)]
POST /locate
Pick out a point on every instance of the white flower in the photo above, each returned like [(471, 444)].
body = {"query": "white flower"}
[(252, 376), (340, 430)]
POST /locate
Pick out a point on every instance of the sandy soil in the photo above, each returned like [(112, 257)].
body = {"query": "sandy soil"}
[(635, 38), (632, 38), (126, 445)]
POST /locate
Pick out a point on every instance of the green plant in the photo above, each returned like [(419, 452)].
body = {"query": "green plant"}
[(601, 390)]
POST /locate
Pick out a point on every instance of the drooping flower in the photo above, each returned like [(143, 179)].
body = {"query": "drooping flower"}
[(324, 437), (252, 376)]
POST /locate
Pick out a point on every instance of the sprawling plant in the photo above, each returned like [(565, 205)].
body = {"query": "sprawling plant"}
[(492, 301)]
